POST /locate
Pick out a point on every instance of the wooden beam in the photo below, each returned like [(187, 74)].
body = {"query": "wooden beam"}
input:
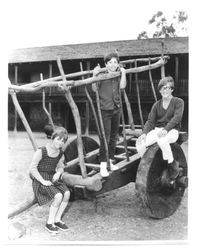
[(87, 118), (50, 76), (77, 120), (93, 183), (93, 166), (162, 57), (176, 70), (33, 87), (123, 123), (138, 97), (91, 103), (23, 119), (129, 147), (144, 59), (129, 112), (151, 82), (15, 112), (44, 106)]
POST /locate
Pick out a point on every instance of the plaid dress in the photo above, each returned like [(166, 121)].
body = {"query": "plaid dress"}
[(46, 168)]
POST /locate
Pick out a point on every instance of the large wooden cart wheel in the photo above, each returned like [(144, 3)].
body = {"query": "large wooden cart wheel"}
[(159, 200), (70, 152)]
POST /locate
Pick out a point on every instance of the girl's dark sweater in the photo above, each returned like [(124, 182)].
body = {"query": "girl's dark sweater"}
[(167, 118)]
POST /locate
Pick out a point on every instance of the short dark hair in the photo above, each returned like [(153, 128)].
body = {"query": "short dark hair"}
[(60, 132), (108, 57), (165, 80)]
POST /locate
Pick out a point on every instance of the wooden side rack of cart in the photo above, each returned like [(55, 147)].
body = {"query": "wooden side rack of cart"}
[(82, 173)]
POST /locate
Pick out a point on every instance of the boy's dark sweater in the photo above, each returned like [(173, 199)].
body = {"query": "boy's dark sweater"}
[(167, 118)]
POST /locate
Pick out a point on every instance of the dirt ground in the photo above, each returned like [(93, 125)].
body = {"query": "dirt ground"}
[(117, 215)]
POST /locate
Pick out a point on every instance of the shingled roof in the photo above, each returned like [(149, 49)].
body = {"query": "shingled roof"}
[(177, 45)]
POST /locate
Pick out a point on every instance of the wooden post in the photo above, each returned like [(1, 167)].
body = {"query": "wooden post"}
[(91, 104), (87, 118), (176, 70), (129, 112), (123, 125), (15, 112), (130, 80), (77, 120), (50, 76), (162, 56), (151, 81), (138, 97), (44, 106), (23, 119), (87, 105)]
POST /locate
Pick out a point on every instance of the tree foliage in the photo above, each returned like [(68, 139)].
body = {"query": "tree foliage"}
[(163, 27)]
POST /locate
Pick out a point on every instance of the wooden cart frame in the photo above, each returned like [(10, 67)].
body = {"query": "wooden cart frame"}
[(82, 174)]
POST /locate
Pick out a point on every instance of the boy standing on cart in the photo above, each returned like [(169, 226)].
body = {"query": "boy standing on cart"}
[(109, 96)]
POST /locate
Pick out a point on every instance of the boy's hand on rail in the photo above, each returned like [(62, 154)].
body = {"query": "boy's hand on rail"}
[(96, 70), (122, 70)]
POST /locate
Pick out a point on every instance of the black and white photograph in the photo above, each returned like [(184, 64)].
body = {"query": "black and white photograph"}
[(97, 103)]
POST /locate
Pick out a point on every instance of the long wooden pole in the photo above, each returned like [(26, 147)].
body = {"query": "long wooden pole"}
[(15, 112), (144, 59), (50, 90), (162, 56), (176, 70), (44, 107), (129, 112), (77, 120), (152, 85), (50, 82), (87, 114), (92, 107), (138, 98), (123, 124), (23, 119)]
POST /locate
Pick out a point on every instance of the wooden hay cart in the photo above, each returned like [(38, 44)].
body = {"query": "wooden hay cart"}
[(82, 174)]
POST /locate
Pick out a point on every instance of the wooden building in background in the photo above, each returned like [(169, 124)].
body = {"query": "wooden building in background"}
[(26, 65)]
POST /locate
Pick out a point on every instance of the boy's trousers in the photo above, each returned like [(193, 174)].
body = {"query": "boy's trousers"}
[(111, 122), (163, 142)]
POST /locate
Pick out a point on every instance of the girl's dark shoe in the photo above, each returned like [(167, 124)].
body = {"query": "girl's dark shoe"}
[(61, 225), (51, 228)]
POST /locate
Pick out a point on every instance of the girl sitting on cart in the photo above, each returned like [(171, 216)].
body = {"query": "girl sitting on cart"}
[(163, 125), (46, 168)]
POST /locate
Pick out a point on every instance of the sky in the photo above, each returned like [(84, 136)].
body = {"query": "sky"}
[(35, 23)]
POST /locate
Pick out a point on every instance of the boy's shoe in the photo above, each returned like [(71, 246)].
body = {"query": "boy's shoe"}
[(103, 169), (61, 225), (112, 166), (51, 228), (174, 169)]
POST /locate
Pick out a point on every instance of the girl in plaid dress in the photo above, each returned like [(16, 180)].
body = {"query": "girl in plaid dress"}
[(46, 168)]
